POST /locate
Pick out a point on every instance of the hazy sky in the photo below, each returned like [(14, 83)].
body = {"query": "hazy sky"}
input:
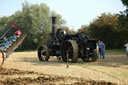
[(75, 12)]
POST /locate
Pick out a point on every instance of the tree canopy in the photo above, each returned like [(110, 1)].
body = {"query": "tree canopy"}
[(125, 2), (106, 28), (35, 20), (110, 28)]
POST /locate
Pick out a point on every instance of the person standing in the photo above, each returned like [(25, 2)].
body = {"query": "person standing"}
[(103, 50), (126, 45), (101, 46)]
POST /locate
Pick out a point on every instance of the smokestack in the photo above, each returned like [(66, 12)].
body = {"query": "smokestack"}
[(54, 26)]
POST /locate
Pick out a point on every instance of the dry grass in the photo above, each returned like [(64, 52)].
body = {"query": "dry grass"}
[(114, 68)]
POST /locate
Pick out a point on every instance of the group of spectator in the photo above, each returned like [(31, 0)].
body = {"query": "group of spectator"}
[(101, 48), (126, 45)]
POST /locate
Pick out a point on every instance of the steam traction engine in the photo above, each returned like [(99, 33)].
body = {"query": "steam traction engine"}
[(68, 47)]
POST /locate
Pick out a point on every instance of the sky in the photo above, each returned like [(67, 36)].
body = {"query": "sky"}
[(75, 12)]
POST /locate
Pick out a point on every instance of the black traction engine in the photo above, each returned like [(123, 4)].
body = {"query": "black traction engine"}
[(68, 47)]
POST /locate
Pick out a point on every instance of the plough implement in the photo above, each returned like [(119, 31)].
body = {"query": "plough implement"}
[(9, 45)]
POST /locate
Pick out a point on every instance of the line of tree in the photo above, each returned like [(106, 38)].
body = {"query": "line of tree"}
[(106, 28), (112, 29), (35, 21)]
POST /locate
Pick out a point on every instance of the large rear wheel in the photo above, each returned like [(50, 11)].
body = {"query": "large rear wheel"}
[(43, 53), (70, 51), (1, 58)]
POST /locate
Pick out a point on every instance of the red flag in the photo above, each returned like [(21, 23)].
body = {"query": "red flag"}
[(14, 25)]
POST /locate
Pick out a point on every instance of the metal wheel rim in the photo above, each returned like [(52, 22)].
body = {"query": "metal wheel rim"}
[(43, 50), (1, 58), (40, 53)]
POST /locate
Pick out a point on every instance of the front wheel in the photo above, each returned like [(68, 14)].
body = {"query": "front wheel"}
[(43, 53)]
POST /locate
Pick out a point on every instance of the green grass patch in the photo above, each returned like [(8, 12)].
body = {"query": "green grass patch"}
[(115, 51)]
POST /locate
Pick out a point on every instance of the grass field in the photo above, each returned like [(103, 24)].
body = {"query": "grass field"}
[(112, 69), (115, 66)]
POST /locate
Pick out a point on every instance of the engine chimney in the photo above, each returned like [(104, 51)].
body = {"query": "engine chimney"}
[(54, 26)]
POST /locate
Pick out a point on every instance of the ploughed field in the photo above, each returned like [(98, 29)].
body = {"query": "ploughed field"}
[(23, 68)]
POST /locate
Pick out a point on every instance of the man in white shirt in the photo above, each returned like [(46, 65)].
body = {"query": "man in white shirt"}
[(126, 45)]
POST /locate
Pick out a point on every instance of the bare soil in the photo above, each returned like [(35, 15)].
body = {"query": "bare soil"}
[(17, 77), (24, 68)]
